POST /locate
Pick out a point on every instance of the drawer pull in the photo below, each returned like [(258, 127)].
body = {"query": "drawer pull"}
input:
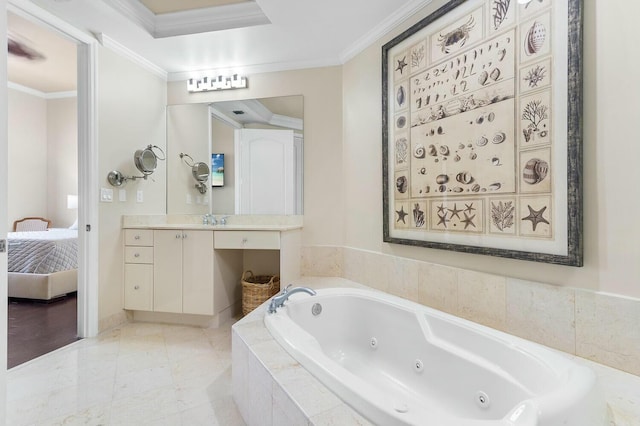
[(137, 237), (245, 240), (136, 287), (178, 236), (136, 255)]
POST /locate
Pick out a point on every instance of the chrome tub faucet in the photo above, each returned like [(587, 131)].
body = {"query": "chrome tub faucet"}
[(279, 299)]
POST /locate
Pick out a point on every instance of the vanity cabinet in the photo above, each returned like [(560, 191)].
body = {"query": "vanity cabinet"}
[(183, 271), (138, 269)]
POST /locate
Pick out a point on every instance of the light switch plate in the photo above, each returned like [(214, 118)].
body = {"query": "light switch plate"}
[(122, 195), (106, 195), (139, 196)]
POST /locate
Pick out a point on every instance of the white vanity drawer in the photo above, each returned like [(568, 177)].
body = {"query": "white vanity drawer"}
[(257, 240), (138, 237), (133, 254)]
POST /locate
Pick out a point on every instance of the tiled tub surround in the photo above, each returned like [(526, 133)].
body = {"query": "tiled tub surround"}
[(597, 326), (271, 388)]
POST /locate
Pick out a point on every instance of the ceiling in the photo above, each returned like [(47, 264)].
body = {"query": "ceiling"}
[(249, 36)]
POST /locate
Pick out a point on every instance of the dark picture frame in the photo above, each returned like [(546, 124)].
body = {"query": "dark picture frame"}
[(482, 131)]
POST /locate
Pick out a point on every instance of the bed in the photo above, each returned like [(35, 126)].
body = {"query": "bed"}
[(43, 265)]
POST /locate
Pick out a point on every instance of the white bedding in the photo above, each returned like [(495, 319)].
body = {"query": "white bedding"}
[(43, 252)]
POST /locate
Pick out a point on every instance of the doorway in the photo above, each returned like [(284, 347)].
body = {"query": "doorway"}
[(86, 317)]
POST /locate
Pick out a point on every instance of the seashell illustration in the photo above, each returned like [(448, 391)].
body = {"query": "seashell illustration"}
[(464, 177), (444, 150), (401, 184), (432, 150), (482, 78), (475, 188), (440, 131), (457, 189), (461, 146), (501, 54), (442, 188), (480, 119), (441, 179), (423, 171), (401, 96), (495, 74), (535, 170), (535, 38), (494, 186), (473, 156), (482, 141), (419, 151), (542, 168), (456, 158), (491, 117), (427, 189), (495, 161), (401, 122), (499, 137)]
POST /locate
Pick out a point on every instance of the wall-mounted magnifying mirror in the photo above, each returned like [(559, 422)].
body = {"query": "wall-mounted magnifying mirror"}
[(200, 172), (146, 161)]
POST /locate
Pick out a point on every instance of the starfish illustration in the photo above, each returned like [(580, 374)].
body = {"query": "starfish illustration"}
[(535, 216), (442, 209), (469, 207), (443, 220), (468, 221), (401, 64), (401, 215), (455, 212)]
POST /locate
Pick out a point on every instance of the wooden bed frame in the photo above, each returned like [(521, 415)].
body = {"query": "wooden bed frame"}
[(42, 286)]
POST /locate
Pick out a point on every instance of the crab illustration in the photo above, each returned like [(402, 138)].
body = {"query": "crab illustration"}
[(458, 36)]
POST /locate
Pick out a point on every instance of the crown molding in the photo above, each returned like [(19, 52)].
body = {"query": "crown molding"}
[(111, 44), (286, 121), (209, 19), (216, 113), (39, 94), (193, 21), (376, 33)]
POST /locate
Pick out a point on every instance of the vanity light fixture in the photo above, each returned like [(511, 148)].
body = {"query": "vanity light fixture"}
[(219, 82)]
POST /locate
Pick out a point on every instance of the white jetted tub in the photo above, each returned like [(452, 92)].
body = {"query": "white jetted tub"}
[(401, 363)]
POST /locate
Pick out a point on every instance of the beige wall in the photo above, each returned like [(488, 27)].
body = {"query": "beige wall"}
[(131, 115), (323, 172), (187, 133), (222, 141), (611, 150), (62, 159), (27, 156)]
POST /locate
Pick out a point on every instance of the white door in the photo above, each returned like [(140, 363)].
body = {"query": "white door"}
[(265, 171)]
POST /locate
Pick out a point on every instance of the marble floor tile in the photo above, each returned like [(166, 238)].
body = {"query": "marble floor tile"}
[(138, 374)]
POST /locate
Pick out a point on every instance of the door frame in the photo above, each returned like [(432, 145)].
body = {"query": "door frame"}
[(87, 161)]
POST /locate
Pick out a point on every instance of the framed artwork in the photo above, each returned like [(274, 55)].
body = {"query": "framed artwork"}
[(482, 130), (217, 170)]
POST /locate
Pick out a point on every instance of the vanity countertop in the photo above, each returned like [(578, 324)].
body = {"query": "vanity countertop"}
[(228, 227)]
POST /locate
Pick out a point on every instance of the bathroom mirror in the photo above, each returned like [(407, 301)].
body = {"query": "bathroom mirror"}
[(145, 160), (215, 127)]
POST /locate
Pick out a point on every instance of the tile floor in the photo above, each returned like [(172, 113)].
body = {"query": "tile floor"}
[(139, 374)]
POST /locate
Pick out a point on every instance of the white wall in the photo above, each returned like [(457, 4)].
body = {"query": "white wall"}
[(62, 160), (131, 115), (27, 156), (611, 150)]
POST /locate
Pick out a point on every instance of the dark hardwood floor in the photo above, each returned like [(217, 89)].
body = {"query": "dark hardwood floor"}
[(37, 328)]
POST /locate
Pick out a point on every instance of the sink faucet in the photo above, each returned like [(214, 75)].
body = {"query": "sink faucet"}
[(223, 220), (279, 299), (209, 219)]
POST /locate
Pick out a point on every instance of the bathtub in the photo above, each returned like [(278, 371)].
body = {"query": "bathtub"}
[(400, 363)]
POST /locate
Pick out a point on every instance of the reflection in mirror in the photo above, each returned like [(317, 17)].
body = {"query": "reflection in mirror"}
[(262, 143)]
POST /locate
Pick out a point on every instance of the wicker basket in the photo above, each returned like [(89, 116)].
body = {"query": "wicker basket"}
[(256, 289)]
